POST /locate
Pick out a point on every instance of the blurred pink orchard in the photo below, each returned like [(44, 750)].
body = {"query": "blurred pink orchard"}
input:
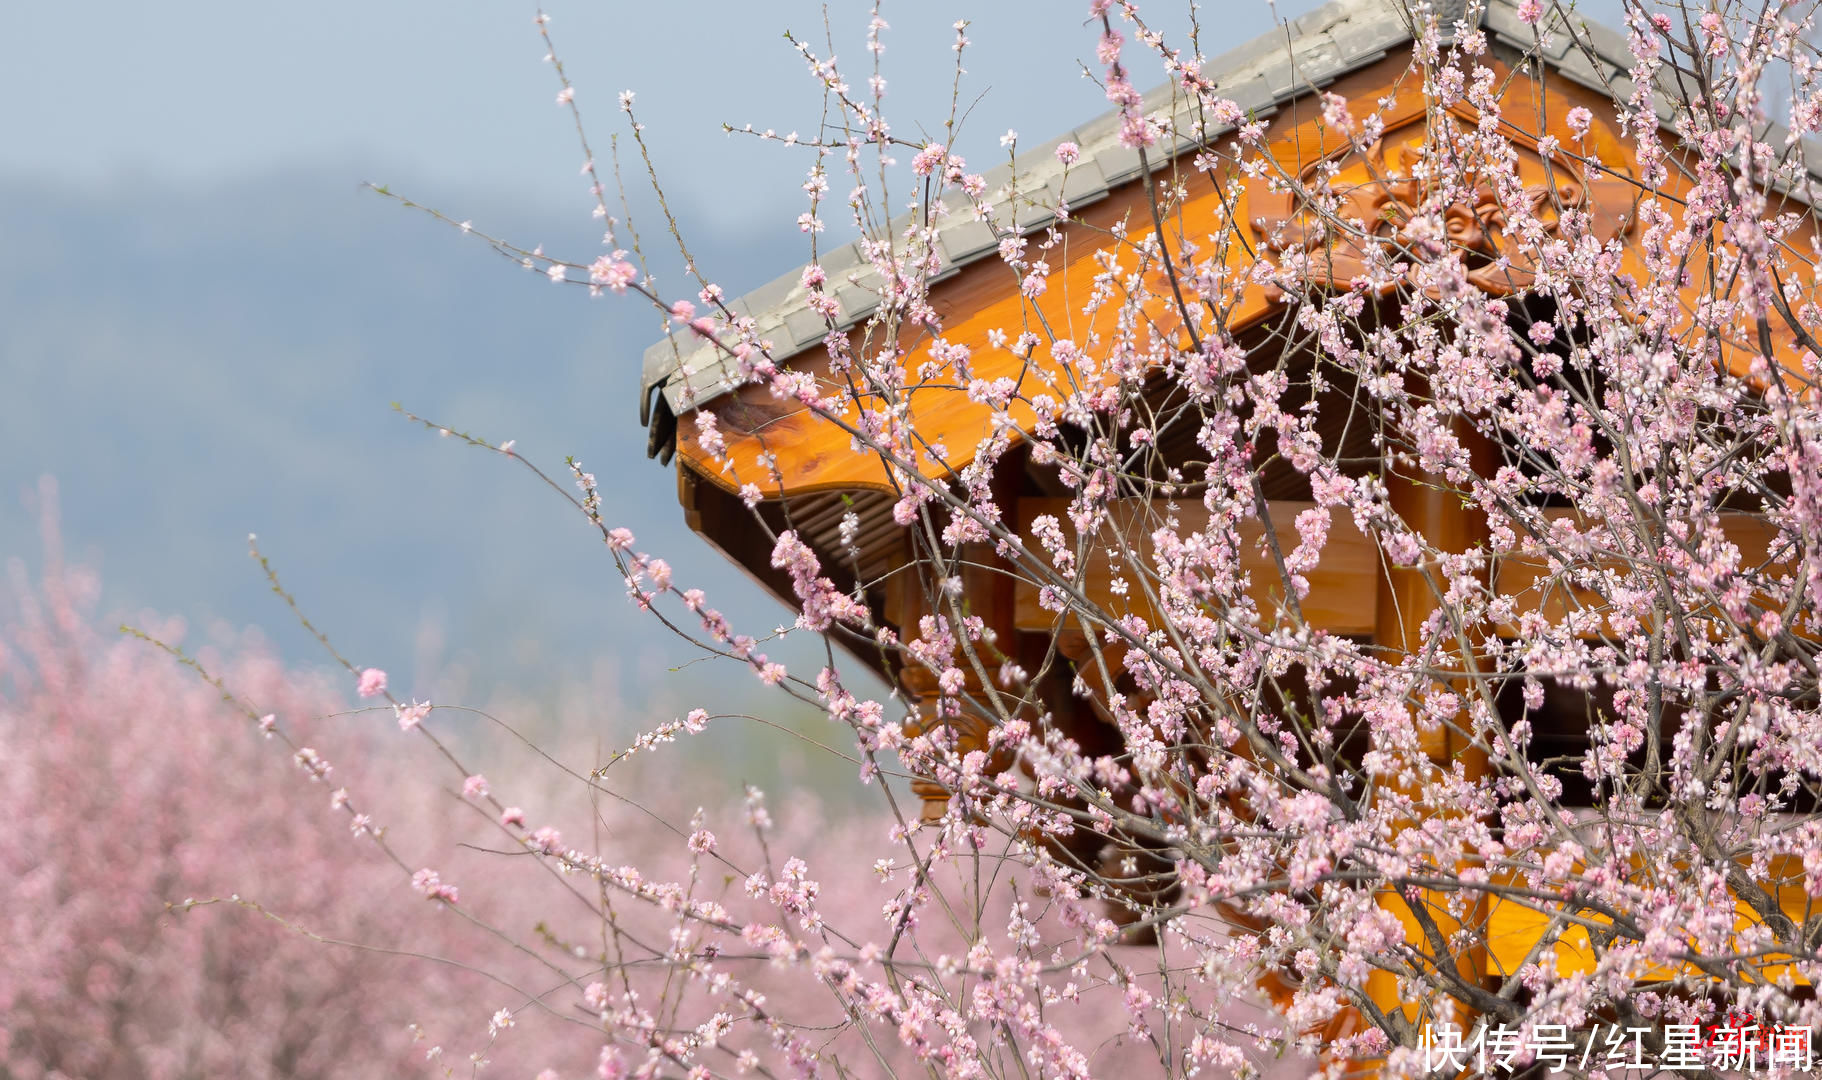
[(126, 785), (130, 788)]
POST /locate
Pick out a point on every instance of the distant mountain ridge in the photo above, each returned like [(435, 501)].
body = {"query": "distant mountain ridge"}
[(195, 365)]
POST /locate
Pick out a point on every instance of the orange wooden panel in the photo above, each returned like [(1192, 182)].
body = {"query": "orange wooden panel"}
[(1514, 927)]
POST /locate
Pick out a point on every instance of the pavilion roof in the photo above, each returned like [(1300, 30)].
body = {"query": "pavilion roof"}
[(1300, 56)]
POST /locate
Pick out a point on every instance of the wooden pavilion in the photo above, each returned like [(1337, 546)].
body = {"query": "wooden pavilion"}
[(1359, 49)]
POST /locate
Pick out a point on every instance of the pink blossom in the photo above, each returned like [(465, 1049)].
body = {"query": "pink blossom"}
[(1579, 119), (434, 888), (1335, 113), (610, 1067), (928, 159), (708, 435), (1107, 48), (612, 272), (595, 996), (410, 716), (312, 763), (372, 682)]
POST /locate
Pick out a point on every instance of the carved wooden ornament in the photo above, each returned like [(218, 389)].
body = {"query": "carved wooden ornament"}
[(1354, 215)]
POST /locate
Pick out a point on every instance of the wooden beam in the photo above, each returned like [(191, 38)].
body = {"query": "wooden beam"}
[(1539, 588), (1341, 599), (1352, 592)]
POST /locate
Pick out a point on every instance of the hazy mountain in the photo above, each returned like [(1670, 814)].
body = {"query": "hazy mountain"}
[(195, 365)]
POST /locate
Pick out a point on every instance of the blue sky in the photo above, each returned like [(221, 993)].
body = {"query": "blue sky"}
[(203, 317)]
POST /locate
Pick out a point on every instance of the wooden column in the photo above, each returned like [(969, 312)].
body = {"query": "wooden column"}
[(989, 590), (1432, 508)]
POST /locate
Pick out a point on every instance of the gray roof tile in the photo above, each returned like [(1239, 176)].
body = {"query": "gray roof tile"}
[(1595, 72), (804, 328), (963, 240), (1118, 163), (857, 302), (1084, 184), (1253, 93)]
